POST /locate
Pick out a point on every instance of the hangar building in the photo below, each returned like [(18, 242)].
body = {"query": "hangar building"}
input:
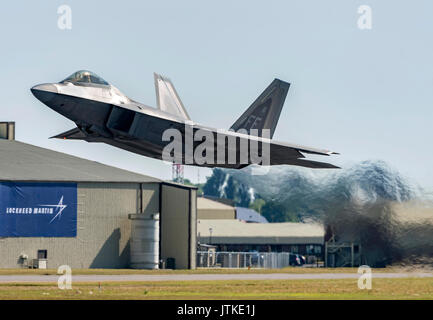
[(234, 235), (65, 210), (236, 229)]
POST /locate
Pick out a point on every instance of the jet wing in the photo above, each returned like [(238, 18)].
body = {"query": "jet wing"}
[(305, 163), (167, 98), (303, 149), (77, 134), (280, 153), (73, 134)]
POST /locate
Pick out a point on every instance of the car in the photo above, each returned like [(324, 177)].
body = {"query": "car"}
[(302, 259), (296, 259)]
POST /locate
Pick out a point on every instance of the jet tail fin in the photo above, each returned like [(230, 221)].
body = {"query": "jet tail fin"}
[(167, 98), (265, 110)]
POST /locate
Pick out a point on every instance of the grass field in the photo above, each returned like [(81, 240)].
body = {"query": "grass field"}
[(407, 288), (396, 288), (197, 271)]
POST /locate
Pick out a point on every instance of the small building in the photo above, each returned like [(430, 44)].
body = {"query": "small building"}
[(237, 236), (65, 210)]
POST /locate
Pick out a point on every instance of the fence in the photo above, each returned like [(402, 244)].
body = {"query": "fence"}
[(272, 260)]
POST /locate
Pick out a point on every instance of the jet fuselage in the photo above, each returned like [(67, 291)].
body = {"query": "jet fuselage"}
[(103, 113)]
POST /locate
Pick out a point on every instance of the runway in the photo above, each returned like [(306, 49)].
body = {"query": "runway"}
[(203, 277)]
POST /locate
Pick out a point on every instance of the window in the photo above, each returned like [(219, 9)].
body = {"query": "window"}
[(314, 249), (42, 254), (84, 76)]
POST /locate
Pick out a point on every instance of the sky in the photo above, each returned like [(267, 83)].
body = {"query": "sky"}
[(366, 93)]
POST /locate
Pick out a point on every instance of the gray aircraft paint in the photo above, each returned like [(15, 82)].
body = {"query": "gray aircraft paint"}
[(104, 114)]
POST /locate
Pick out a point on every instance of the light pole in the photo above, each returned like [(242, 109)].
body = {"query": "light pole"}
[(210, 235)]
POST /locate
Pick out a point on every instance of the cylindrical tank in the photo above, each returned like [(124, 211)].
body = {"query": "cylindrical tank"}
[(144, 241)]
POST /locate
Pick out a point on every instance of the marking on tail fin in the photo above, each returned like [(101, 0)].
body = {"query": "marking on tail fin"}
[(265, 111), (167, 98)]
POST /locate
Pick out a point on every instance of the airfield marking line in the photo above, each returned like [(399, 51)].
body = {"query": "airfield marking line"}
[(204, 277)]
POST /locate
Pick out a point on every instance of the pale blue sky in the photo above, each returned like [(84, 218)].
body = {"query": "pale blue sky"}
[(365, 93)]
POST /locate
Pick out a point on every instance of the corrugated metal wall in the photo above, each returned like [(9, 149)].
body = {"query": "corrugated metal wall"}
[(103, 228), (193, 229), (178, 225)]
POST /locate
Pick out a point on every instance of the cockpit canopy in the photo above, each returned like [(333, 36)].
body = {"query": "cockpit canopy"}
[(85, 76)]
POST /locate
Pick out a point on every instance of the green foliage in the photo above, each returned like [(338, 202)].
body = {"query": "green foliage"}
[(213, 183), (278, 212), (257, 205), (189, 183), (223, 185), (237, 192), (200, 189)]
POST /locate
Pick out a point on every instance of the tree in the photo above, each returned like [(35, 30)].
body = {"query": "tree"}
[(258, 205), (273, 211), (277, 212), (214, 182)]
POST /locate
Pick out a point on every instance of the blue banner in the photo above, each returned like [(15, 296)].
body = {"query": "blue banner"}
[(33, 209)]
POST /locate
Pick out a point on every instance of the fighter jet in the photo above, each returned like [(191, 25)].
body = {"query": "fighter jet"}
[(102, 113)]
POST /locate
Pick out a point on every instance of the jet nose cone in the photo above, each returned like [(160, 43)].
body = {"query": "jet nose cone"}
[(48, 87), (44, 92)]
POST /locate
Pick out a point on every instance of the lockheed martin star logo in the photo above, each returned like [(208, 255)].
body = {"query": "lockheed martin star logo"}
[(59, 208)]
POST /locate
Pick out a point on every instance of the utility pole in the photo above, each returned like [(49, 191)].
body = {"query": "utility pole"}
[(177, 173)]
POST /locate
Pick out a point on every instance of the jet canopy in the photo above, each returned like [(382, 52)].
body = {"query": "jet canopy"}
[(85, 76)]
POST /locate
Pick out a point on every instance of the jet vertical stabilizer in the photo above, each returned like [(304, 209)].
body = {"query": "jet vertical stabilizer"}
[(265, 111), (167, 98)]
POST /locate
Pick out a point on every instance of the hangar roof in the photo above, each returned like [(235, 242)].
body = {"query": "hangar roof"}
[(238, 232), (209, 209), (204, 203), (249, 215), (25, 162)]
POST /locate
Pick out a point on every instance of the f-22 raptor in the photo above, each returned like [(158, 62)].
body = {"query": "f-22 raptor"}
[(102, 113)]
